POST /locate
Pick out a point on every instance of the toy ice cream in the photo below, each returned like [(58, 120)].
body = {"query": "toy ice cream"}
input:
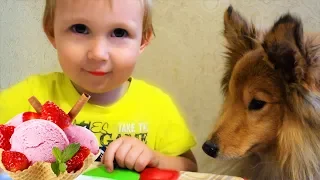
[(86, 139), (45, 145), (36, 138)]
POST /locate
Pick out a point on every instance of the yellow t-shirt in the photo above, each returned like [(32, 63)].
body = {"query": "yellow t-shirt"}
[(144, 112)]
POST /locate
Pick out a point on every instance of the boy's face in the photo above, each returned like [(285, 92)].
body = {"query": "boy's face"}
[(98, 41)]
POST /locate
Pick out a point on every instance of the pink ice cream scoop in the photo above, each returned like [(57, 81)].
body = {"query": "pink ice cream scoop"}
[(36, 139), (16, 120), (82, 135)]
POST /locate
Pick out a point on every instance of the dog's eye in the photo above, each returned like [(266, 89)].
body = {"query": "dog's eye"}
[(256, 104)]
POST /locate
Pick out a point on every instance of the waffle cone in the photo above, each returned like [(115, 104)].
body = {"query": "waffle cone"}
[(43, 171)]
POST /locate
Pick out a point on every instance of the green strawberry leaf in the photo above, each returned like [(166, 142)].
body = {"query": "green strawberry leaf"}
[(57, 154), (63, 156), (55, 168), (69, 152), (62, 167)]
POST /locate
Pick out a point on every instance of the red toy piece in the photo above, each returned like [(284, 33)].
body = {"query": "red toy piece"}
[(159, 174)]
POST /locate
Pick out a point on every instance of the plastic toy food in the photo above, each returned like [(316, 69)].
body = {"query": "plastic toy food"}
[(44, 145), (159, 174), (34, 138), (99, 172)]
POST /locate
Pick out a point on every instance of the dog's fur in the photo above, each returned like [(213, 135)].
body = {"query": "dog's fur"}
[(271, 107)]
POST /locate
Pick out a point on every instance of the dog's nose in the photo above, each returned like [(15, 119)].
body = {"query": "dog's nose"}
[(210, 148)]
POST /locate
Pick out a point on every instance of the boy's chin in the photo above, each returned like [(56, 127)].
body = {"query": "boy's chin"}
[(90, 89)]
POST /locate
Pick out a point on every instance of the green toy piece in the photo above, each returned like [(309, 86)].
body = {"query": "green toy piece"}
[(116, 174)]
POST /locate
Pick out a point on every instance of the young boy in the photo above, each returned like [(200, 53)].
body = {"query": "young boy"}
[(98, 43)]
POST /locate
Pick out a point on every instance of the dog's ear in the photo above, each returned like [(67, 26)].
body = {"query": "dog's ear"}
[(284, 47), (241, 38), (240, 35)]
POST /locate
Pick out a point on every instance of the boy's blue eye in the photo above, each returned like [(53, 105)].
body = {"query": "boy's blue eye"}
[(80, 28), (119, 32)]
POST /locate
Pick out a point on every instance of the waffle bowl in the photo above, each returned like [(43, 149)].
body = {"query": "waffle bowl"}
[(43, 171)]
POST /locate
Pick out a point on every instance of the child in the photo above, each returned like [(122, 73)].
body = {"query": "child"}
[(98, 43)]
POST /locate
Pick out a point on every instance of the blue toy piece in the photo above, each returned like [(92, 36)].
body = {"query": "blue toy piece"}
[(4, 176)]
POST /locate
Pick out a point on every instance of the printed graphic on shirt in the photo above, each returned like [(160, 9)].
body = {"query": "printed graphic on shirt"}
[(107, 133)]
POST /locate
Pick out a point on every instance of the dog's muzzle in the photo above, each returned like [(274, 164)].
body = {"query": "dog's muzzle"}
[(210, 148)]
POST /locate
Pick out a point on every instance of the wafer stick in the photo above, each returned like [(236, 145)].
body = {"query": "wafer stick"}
[(78, 106), (35, 103)]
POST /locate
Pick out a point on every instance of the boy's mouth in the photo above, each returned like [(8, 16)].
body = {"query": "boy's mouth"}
[(97, 73)]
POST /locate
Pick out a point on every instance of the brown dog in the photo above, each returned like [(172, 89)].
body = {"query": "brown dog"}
[(271, 108)]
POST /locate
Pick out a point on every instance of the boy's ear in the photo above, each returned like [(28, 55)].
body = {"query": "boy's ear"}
[(146, 39), (144, 44), (50, 37), (241, 37), (52, 41), (48, 30), (285, 49)]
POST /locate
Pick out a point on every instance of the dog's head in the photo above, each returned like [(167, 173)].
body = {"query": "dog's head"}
[(265, 72)]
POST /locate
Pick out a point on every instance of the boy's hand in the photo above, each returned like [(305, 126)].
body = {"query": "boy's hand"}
[(131, 153)]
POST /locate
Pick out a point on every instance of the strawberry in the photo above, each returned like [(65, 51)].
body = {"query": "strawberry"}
[(159, 174), (30, 115), (70, 159), (5, 135), (14, 161), (51, 112), (76, 162)]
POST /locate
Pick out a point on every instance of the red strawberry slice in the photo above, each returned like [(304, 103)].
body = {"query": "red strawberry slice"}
[(30, 115), (51, 112), (5, 135), (76, 162), (159, 174), (14, 161)]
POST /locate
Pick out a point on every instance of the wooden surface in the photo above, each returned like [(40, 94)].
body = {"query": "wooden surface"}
[(205, 176)]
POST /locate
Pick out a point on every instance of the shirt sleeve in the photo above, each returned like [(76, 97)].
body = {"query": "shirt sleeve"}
[(175, 137), (14, 100)]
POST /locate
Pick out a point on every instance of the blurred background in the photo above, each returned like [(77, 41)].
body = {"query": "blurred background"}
[(185, 59)]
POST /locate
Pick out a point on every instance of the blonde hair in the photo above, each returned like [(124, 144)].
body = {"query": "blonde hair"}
[(147, 27)]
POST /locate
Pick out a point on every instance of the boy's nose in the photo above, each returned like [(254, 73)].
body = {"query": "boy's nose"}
[(99, 51)]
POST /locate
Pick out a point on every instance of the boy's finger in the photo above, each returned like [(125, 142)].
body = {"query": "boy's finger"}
[(142, 161), (121, 153), (132, 156), (110, 153)]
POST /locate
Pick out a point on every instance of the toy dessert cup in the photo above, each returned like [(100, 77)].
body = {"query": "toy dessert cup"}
[(35, 168), (43, 171)]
